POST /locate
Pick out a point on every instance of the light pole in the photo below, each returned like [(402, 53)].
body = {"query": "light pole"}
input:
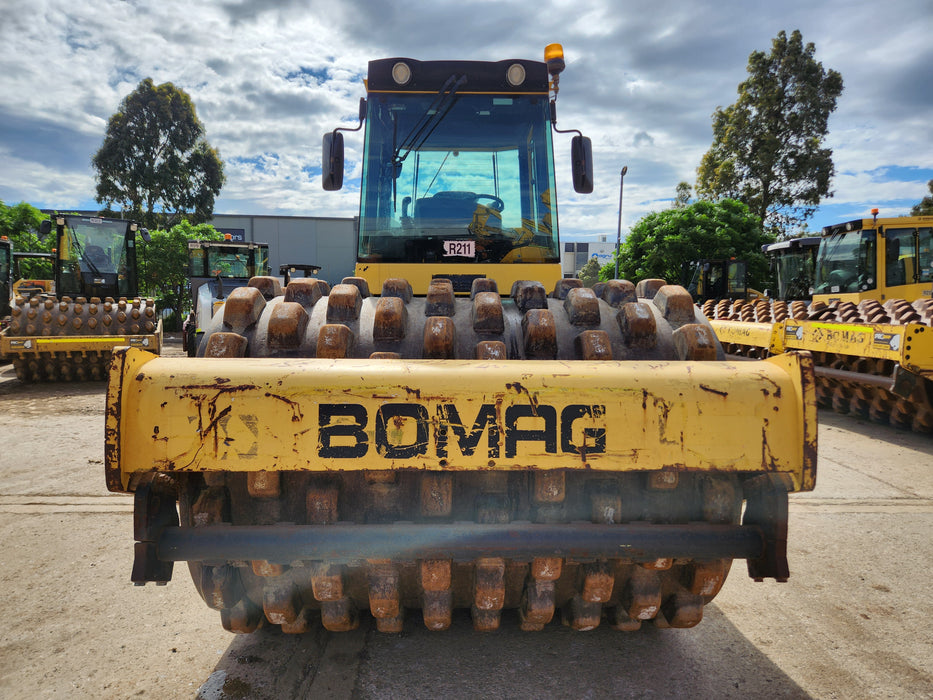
[(619, 232)]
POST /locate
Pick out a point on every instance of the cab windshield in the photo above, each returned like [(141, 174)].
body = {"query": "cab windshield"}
[(846, 263), (96, 245), (469, 182), (94, 252), (794, 273), (227, 260)]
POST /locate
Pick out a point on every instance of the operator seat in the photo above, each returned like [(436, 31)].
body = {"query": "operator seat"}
[(96, 255), (445, 209)]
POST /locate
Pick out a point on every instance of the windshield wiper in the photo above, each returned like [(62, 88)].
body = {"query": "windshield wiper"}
[(419, 133), (433, 115), (81, 254)]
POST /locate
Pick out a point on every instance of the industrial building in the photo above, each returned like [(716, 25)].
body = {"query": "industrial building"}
[(326, 241), (577, 253)]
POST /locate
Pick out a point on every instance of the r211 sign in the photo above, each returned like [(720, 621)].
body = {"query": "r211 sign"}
[(460, 249)]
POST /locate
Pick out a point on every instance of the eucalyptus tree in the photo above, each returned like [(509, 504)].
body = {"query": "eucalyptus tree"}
[(155, 165), (769, 147)]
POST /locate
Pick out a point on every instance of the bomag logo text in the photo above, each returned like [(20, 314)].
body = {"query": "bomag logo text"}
[(408, 430)]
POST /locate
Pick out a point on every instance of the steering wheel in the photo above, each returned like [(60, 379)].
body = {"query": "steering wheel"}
[(497, 203)]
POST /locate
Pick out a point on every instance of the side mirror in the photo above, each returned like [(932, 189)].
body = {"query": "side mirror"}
[(45, 228), (332, 161), (581, 153)]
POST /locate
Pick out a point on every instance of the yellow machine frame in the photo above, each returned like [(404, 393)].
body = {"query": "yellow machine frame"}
[(421, 274), (884, 290), (419, 414), (910, 345), (27, 347)]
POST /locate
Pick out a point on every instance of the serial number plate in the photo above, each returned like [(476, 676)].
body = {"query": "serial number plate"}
[(460, 249)]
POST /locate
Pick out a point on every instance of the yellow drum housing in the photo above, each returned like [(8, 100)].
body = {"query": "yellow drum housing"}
[(565, 452)]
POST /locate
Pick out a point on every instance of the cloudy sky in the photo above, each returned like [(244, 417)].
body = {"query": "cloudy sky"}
[(643, 77)]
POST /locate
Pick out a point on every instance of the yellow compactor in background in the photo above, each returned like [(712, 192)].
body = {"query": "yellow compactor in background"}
[(868, 323), (439, 432), (215, 268), (70, 336)]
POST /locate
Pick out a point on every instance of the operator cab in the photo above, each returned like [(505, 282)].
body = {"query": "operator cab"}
[(96, 256), (227, 260), (458, 172), (793, 263), (875, 259), (476, 188), (215, 268), (715, 279)]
